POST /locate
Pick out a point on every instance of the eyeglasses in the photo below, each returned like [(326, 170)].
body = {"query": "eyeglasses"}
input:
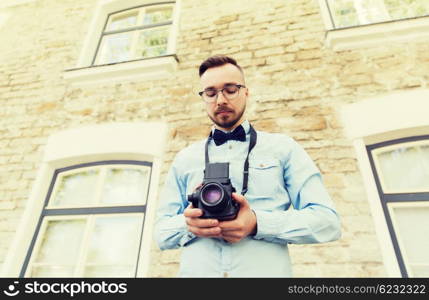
[(229, 91)]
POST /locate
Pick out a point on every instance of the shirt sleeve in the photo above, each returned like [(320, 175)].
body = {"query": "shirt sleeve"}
[(170, 227), (313, 218)]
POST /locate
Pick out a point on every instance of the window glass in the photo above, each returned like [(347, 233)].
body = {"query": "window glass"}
[(145, 33), (399, 9), (109, 271), (153, 42), (158, 15), (352, 13), (114, 246), (115, 48), (59, 248), (125, 185), (344, 13), (75, 189), (404, 168), (411, 226), (122, 20), (93, 224)]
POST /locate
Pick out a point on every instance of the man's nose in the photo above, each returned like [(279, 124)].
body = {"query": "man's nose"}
[(220, 98)]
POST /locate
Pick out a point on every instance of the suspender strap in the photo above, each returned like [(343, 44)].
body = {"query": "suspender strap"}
[(252, 143)]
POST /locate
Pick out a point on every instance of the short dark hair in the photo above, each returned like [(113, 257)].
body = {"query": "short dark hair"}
[(217, 61)]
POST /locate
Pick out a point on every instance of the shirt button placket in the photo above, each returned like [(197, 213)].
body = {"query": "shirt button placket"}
[(226, 259)]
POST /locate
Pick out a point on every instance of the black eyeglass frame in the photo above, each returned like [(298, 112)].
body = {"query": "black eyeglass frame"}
[(239, 86)]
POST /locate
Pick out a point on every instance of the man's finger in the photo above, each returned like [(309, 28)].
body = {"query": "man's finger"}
[(228, 228), (205, 232), (204, 223), (240, 199), (229, 225), (192, 212), (232, 234)]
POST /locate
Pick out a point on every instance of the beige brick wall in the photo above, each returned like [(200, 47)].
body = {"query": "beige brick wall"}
[(296, 85)]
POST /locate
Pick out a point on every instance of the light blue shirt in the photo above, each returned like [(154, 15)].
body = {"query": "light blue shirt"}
[(286, 193)]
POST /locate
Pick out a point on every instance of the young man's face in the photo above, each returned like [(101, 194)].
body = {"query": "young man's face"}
[(226, 114)]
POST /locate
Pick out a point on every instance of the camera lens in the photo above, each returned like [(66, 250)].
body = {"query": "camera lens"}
[(212, 194)]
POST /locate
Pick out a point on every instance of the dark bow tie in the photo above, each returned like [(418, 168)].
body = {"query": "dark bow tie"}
[(221, 137)]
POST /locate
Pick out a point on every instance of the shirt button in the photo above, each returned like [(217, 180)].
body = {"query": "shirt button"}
[(225, 274), (230, 146), (261, 165)]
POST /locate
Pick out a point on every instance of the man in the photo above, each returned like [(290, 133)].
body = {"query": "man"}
[(281, 174)]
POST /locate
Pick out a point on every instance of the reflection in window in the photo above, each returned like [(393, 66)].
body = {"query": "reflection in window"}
[(100, 236), (153, 42), (347, 13), (76, 189), (59, 249), (141, 33), (125, 186), (105, 185), (114, 246), (404, 168), (116, 47), (158, 15), (402, 176), (413, 239), (122, 21)]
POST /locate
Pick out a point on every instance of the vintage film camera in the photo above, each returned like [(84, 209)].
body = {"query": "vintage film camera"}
[(214, 195)]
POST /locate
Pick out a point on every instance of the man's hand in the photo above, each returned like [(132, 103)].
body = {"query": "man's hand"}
[(243, 225), (201, 227)]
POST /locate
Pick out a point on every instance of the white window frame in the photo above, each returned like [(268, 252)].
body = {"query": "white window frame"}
[(375, 120), (84, 73), (105, 142), (362, 36)]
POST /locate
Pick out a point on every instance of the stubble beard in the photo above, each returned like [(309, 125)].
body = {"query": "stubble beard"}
[(228, 124)]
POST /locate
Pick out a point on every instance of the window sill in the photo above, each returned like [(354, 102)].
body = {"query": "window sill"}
[(151, 68), (376, 34)]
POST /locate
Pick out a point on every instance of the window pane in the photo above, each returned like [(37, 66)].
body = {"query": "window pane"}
[(351, 12), (153, 42), (76, 189), (114, 244), (52, 271), (110, 271), (399, 9), (122, 20), (420, 270), (343, 13), (59, 247), (125, 186), (157, 15), (411, 225), (405, 168), (115, 48)]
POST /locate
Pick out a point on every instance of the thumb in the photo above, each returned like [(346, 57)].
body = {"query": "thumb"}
[(240, 199)]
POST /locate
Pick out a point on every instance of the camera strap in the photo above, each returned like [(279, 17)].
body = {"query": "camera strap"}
[(252, 143)]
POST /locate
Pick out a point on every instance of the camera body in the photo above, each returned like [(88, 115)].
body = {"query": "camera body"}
[(214, 196)]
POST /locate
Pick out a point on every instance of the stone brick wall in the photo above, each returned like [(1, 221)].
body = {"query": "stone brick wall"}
[(296, 85)]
